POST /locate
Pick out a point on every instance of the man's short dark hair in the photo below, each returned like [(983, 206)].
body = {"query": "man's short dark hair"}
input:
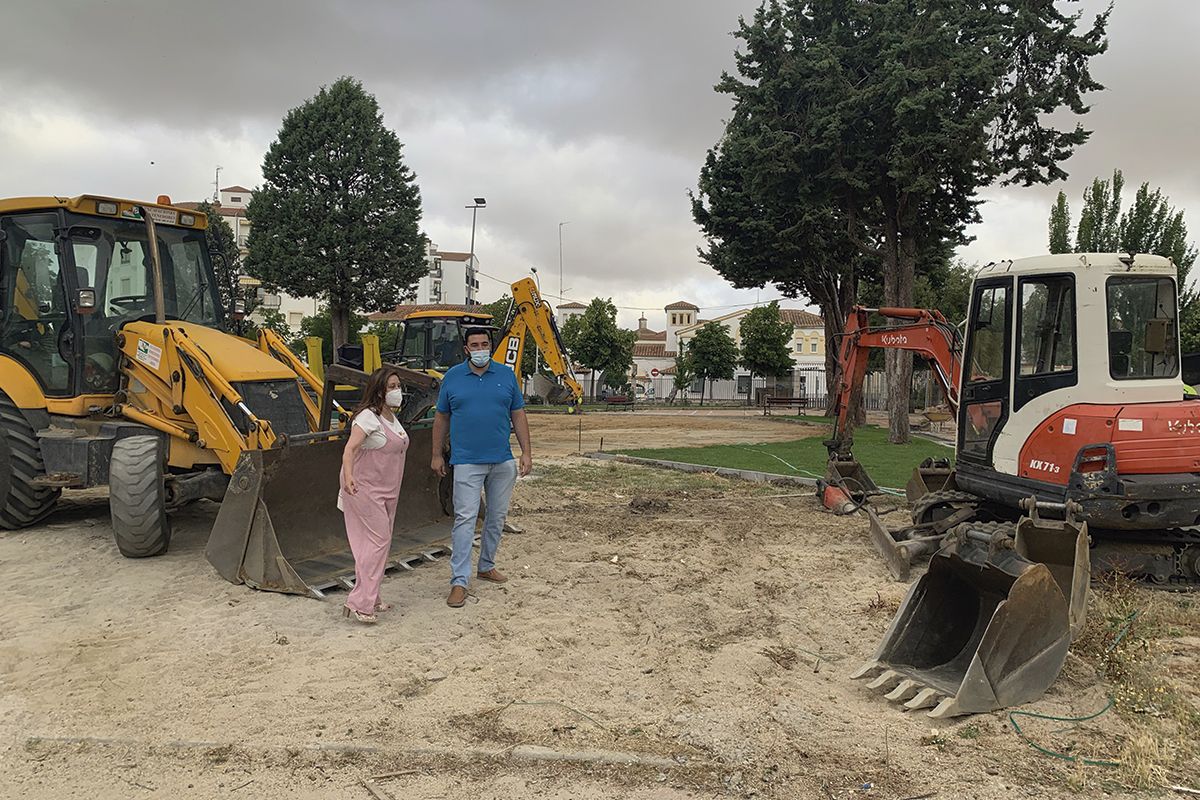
[(477, 332)]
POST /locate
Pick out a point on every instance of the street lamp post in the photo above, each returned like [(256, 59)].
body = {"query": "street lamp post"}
[(561, 299), (478, 204)]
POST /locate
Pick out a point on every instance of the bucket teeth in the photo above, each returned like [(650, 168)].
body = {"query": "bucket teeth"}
[(886, 681), (946, 708), (867, 670), (907, 688), (923, 699)]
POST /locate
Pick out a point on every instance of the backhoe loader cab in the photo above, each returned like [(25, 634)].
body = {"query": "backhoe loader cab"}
[(433, 340)]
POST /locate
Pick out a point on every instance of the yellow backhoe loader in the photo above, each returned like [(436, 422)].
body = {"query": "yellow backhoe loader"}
[(430, 339), (116, 369)]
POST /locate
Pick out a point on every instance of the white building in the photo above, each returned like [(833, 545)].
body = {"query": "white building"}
[(654, 355), (451, 280)]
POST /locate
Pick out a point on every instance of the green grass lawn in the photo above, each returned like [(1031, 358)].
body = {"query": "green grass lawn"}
[(889, 464)]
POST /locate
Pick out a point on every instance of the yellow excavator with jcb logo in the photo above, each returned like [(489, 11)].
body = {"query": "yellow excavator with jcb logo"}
[(116, 368)]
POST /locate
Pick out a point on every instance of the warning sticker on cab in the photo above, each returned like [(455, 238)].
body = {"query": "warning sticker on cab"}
[(1129, 424), (148, 354)]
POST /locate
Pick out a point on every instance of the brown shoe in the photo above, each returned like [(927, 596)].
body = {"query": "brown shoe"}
[(494, 575), (458, 597)]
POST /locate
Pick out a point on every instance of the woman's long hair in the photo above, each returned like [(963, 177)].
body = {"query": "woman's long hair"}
[(374, 396)]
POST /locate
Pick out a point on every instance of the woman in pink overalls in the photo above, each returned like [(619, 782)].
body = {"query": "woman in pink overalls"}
[(372, 469)]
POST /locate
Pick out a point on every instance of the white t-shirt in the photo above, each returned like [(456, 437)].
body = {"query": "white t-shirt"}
[(372, 425)]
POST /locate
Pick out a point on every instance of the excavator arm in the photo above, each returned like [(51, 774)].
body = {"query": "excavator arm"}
[(922, 331), (529, 313)]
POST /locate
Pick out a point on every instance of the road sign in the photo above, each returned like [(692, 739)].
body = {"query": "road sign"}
[(654, 373)]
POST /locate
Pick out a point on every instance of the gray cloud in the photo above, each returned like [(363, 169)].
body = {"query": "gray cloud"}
[(595, 113)]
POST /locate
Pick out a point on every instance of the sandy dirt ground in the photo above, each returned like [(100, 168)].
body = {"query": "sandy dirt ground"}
[(662, 636)]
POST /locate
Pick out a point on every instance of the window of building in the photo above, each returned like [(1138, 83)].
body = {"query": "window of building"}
[(799, 347), (814, 347), (234, 199), (674, 320), (295, 318)]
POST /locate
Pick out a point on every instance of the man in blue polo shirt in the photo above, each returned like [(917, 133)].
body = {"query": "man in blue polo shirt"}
[(481, 403)]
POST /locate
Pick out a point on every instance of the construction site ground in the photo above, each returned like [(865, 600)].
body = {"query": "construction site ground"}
[(663, 635)]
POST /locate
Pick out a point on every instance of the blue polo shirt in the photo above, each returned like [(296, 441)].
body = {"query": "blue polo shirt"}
[(480, 409)]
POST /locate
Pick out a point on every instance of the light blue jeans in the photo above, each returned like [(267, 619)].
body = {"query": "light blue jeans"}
[(469, 481)]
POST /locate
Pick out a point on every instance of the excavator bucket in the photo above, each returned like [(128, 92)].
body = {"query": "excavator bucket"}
[(279, 528), (933, 475), (850, 474), (988, 625)]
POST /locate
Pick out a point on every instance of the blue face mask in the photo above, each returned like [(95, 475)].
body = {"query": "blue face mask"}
[(480, 358)]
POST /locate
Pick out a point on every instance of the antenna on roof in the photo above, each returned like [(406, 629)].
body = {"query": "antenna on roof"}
[(217, 185)]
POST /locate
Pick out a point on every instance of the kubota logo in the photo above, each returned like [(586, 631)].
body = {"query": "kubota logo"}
[(894, 338)]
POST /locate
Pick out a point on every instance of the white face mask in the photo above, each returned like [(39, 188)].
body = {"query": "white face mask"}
[(480, 358), (394, 398)]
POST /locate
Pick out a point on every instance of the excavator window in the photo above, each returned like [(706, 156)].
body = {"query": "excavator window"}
[(1045, 337), (985, 399), (1142, 334)]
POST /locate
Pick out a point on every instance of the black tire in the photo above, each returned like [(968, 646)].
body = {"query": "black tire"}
[(136, 497), (24, 504)]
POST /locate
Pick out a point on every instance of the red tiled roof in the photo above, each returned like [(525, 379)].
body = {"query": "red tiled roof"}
[(235, 189), (571, 305), (450, 255), (649, 350), (801, 319), (402, 311), (646, 335), (682, 304)]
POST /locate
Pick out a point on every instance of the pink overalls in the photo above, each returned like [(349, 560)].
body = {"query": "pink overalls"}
[(370, 515)]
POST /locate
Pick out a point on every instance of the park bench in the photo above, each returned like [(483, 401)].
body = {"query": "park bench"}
[(799, 403), (619, 401)]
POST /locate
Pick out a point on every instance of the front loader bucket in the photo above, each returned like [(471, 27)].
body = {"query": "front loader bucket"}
[(279, 528), (984, 628)]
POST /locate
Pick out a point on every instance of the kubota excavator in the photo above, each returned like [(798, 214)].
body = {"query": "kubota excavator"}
[(116, 369), (1068, 401)]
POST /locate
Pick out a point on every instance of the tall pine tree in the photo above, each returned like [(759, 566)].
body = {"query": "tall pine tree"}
[(861, 133), (337, 215)]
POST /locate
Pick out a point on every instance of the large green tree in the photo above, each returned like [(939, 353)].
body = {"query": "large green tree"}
[(862, 132), (713, 355), (766, 344), (683, 377), (596, 342), (1150, 225), (337, 215)]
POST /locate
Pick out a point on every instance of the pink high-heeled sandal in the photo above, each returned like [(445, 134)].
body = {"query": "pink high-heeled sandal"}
[(349, 612), (382, 606)]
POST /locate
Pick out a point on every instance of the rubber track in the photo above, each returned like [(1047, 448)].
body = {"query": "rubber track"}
[(949, 497), (26, 504), (139, 517)]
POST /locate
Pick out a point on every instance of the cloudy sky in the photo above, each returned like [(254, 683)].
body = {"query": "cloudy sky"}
[(597, 114)]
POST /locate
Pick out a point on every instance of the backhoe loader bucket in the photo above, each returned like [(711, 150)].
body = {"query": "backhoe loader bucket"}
[(279, 528), (988, 625)]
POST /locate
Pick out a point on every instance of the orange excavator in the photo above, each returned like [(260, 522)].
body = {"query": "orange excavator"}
[(1076, 454)]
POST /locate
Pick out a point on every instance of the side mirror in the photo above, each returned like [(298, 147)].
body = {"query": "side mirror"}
[(85, 301), (238, 312)]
